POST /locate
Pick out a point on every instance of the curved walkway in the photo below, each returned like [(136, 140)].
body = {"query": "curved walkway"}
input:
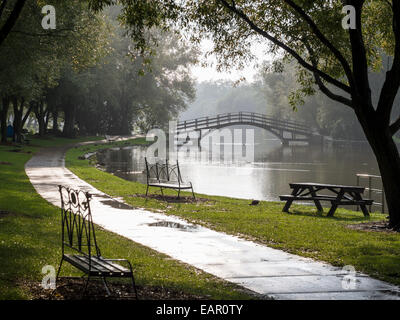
[(256, 267)]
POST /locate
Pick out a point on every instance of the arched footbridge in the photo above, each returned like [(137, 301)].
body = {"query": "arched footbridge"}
[(286, 131)]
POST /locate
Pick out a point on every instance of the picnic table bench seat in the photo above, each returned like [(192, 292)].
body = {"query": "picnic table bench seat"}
[(319, 197), (333, 199), (79, 244)]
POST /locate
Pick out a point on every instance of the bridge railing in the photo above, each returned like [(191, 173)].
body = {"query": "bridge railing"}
[(373, 190), (245, 117)]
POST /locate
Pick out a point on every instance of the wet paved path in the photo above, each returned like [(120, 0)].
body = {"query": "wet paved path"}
[(259, 268)]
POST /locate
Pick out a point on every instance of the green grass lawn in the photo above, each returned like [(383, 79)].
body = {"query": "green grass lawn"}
[(304, 232), (30, 238)]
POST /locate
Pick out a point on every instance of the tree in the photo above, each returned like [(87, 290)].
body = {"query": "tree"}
[(5, 105), (125, 91), (217, 97), (32, 59), (311, 33), (317, 111)]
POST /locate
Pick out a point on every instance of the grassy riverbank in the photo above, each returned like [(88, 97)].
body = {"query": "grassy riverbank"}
[(30, 239), (304, 232)]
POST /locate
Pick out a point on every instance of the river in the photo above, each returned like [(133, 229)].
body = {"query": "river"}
[(265, 178)]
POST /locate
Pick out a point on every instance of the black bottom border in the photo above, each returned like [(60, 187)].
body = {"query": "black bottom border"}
[(203, 309)]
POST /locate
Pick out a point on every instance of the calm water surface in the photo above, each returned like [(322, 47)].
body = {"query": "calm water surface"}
[(268, 176)]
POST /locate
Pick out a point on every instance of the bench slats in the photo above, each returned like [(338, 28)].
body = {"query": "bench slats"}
[(98, 266), (325, 186), (114, 267), (320, 198), (353, 202), (327, 198), (170, 185)]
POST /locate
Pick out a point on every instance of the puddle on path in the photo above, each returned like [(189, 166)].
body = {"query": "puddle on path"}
[(391, 292), (175, 225), (100, 195), (116, 204)]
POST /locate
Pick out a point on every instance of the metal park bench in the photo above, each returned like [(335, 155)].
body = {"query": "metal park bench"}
[(79, 238), (166, 176), (340, 195), (25, 139), (111, 138)]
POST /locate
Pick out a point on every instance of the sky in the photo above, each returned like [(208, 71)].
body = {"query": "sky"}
[(211, 74)]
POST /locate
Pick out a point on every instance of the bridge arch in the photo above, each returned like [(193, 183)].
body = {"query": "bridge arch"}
[(297, 131), (227, 125)]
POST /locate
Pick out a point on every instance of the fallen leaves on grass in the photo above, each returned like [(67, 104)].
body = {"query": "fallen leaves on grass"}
[(173, 199), (374, 226), (4, 213), (71, 288)]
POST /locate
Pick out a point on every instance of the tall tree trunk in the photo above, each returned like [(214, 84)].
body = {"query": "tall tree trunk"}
[(46, 120), (42, 120), (26, 116), (69, 121), (40, 113), (3, 124), (41, 127), (54, 114), (388, 158), (17, 119), (389, 165)]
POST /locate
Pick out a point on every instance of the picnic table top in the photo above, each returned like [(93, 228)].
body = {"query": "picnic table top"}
[(323, 185)]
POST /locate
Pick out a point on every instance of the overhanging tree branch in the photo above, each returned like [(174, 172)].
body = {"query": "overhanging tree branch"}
[(324, 40), (11, 20), (359, 57), (285, 47), (2, 6), (392, 82), (395, 126), (330, 94), (320, 83)]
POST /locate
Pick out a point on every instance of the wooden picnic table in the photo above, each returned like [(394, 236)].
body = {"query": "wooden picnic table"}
[(338, 195)]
